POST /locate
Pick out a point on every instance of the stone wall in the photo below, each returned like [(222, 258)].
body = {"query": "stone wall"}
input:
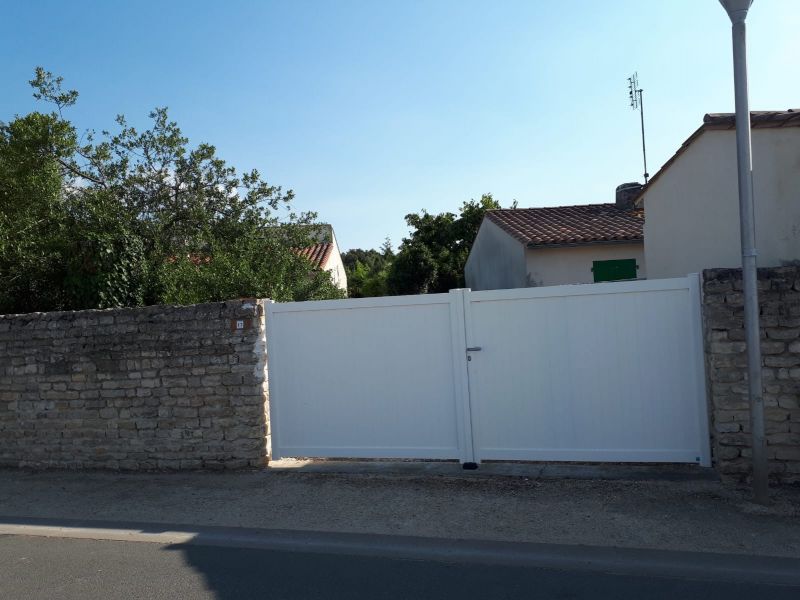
[(726, 364), (161, 387)]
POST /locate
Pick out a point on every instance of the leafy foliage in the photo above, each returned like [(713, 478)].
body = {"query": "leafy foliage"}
[(432, 258), (138, 217), (368, 270), (33, 219)]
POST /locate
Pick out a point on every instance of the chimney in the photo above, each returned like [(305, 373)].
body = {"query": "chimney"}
[(626, 193)]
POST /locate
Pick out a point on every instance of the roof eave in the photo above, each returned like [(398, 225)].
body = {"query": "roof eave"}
[(535, 246)]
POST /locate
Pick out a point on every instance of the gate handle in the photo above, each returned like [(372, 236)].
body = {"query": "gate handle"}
[(474, 349)]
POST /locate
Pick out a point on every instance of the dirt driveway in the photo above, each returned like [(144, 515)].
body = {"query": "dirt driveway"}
[(683, 515)]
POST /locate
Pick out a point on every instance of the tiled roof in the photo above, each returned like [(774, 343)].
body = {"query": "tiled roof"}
[(318, 254), (570, 225), (762, 119), (759, 119)]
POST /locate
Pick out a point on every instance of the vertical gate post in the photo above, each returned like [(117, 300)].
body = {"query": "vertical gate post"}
[(458, 300), (698, 347), (272, 383)]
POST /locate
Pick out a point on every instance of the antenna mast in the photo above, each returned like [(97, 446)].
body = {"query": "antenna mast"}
[(635, 94)]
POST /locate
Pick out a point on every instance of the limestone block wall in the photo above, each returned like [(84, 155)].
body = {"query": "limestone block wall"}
[(161, 387), (726, 366)]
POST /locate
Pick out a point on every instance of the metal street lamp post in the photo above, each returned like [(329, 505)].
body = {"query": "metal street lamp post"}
[(737, 11)]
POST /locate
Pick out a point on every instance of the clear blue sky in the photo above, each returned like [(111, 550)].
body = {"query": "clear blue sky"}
[(373, 109)]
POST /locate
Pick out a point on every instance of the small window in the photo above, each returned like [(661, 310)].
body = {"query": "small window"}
[(614, 270)]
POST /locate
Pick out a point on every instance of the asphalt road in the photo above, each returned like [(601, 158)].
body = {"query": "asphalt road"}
[(85, 569)]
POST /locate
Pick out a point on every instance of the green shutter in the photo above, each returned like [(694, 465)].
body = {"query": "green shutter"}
[(614, 270)]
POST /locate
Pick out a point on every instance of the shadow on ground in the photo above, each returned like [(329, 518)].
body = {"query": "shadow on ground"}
[(241, 574)]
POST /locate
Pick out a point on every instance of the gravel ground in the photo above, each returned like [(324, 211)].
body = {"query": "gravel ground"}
[(687, 515)]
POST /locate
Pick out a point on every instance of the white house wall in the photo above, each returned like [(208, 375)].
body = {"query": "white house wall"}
[(335, 265), (558, 266), (497, 260), (692, 210)]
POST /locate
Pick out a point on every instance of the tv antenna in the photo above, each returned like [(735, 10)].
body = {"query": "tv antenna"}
[(635, 94)]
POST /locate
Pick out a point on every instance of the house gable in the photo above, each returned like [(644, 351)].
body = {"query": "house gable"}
[(765, 119), (552, 245), (692, 207), (325, 255), (496, 260)]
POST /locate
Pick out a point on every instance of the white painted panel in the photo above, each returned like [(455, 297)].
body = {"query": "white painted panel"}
[(586, 373), (603, 372), (364, 378)]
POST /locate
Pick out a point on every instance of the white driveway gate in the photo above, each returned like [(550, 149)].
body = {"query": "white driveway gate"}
[(601, 372)]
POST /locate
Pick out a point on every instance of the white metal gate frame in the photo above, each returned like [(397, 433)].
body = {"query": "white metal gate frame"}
[(452, 300), (691, 284), (460, 304)]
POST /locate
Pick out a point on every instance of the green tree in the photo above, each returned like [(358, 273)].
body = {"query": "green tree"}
[(138, 217), (33, 215), (367, 270), (432, 258)]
